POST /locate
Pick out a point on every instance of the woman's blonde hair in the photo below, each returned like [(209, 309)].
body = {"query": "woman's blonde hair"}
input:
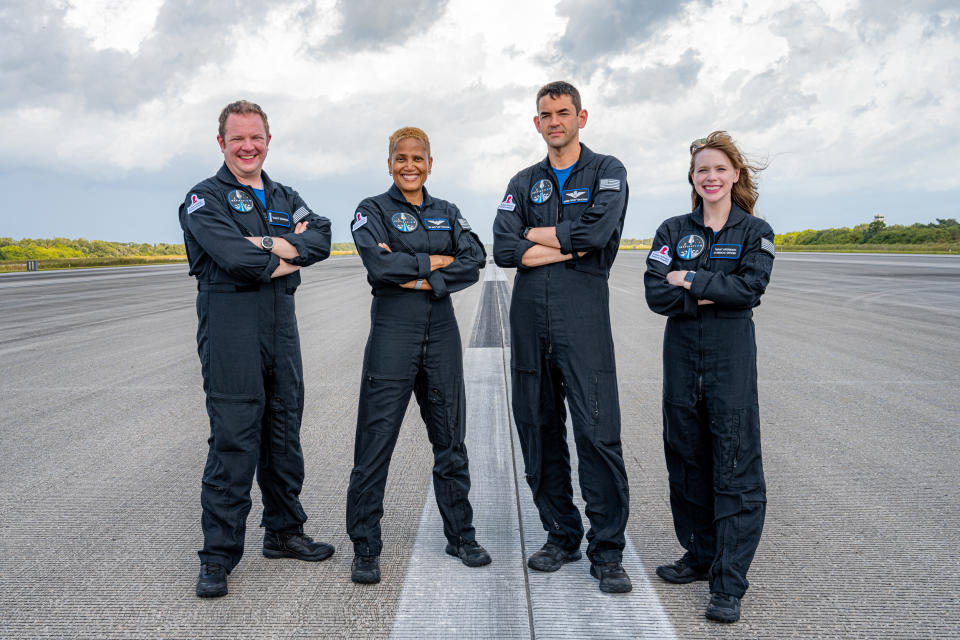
[(408, 132)]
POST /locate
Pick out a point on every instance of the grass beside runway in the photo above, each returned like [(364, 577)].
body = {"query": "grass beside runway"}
[(8, 266)]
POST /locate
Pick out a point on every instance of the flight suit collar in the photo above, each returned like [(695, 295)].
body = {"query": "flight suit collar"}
[(395, 193), (737, 215), (225, 175), (585, 157)]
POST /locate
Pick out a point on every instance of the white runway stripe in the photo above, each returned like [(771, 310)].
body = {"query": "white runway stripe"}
[(442, 598)]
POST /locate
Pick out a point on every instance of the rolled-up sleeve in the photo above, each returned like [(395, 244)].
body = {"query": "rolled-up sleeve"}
[(600, 221), (313, 244), (742, 288), (468, 258)]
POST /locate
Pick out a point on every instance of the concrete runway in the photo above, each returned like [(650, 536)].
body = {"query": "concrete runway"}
[(102, 433)]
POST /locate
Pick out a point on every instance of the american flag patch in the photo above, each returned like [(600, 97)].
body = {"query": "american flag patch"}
[(300, 214), (609, 184), (767, 246)]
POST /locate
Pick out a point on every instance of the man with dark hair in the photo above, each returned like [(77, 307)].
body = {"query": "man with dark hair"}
[(247, 238), (559, 225)]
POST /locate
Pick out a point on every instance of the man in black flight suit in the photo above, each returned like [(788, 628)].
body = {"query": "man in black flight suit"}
[(247, 238), (559, 224)]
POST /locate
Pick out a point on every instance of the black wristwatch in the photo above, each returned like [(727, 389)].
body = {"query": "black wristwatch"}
[(689, 276), (525, 232), (266, 242)]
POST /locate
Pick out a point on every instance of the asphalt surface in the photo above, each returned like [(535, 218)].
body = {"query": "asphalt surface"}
[(103, 430)]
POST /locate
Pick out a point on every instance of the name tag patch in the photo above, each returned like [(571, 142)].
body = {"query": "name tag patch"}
[(767, 246), (405, 222), (278, 218), (508, 204), (240, 201), (436, 224), (573, 196), (727, 251), (663, 255), (690, 247), (195, 203), (609, 184)]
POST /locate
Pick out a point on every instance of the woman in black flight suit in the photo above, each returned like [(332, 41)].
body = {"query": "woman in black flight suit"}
[(706, 271), (417, 250)]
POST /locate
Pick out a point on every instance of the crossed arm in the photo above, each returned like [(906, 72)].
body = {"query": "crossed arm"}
[(283, 250), (436, 262), (547, 248)]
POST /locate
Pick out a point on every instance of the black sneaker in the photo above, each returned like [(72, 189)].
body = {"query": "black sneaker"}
[(212, 581), (681, 572), (613, 579), (365, 569), (295, 545), (723, 608), (470, 553), (551, 557)]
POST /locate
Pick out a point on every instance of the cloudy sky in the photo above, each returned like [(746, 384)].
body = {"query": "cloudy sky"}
[(111, 106)]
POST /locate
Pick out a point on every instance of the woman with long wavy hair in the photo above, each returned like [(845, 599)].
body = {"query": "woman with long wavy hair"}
[(706, 272)]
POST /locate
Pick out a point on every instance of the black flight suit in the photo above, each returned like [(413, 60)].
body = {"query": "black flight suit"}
[(413, 345), (562, 347), (249, 353), (711, 421)]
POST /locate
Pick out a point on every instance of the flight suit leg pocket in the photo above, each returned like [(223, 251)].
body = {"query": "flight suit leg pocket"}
[(726, 429), (526, 395), (525, 385), (277, 425), (444, 413), (684, 448), (233, 344), (383, 401), (604, 406)]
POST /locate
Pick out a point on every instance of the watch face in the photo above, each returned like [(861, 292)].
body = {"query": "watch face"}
[(689, 276), (267, 242)]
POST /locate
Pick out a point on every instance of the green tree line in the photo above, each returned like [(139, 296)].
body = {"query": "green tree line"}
[(60, 248), (943, 231), (55, 248)]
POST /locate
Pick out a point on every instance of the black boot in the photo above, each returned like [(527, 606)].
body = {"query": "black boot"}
[(295, 545), (723, 608), (212, 581), (365, 569), (551, 557), (470, 553), (613, 578), (681, 571)]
